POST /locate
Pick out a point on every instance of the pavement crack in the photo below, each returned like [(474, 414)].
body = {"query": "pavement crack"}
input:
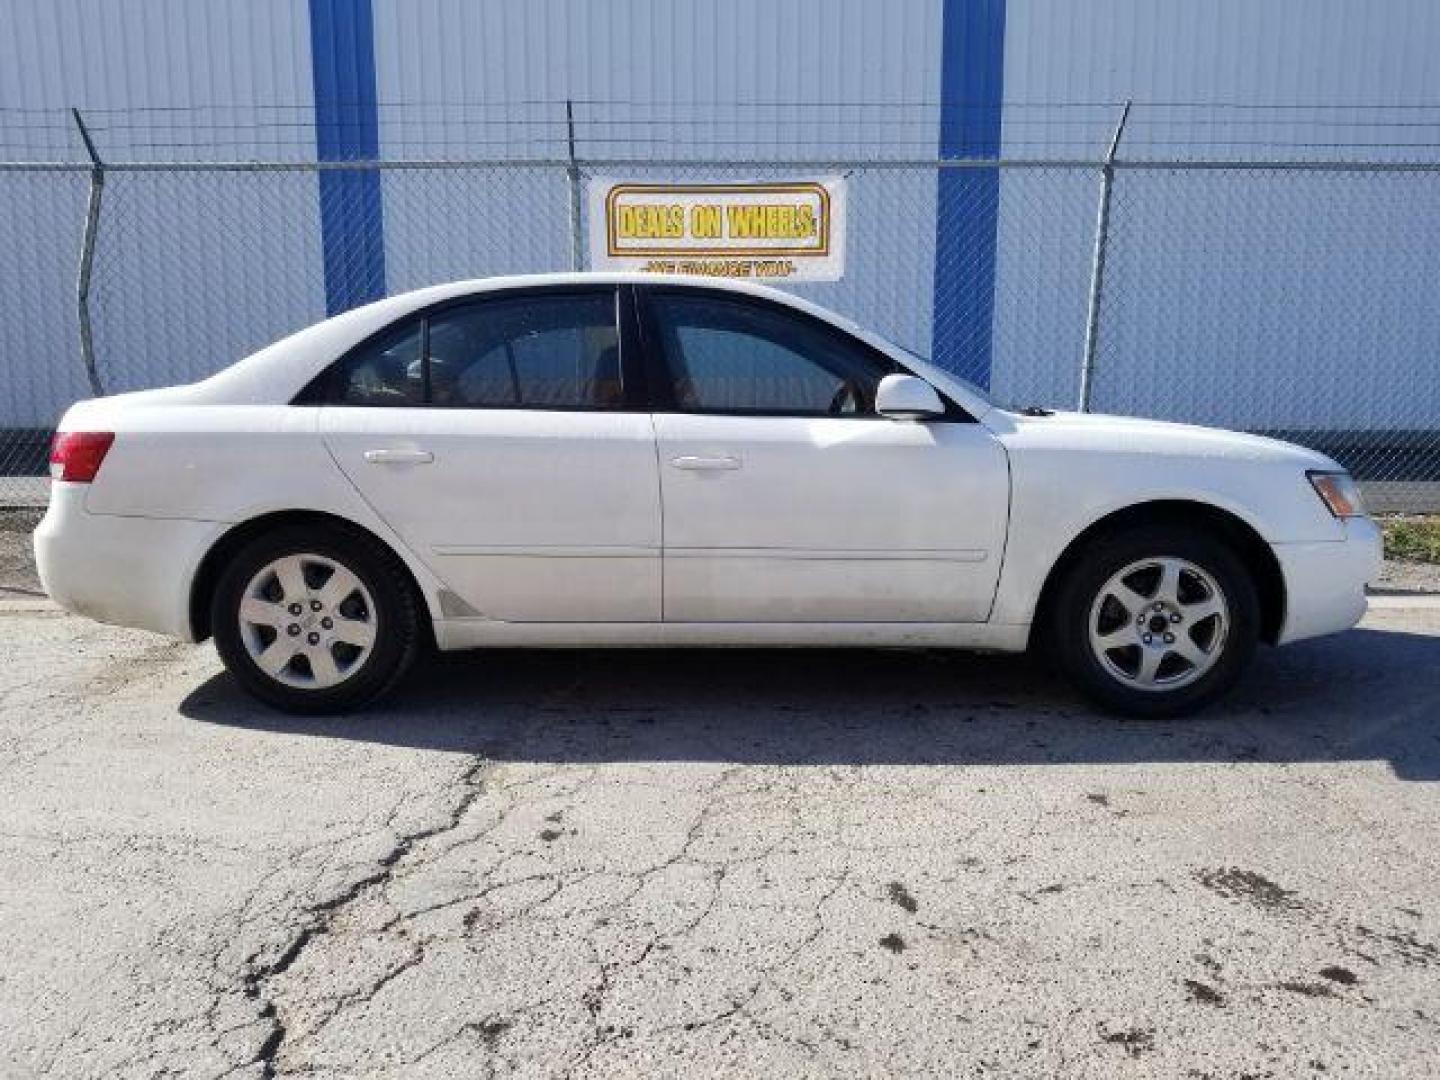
[(318, 919)]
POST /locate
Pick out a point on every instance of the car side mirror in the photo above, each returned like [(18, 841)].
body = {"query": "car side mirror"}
[(905, 397)]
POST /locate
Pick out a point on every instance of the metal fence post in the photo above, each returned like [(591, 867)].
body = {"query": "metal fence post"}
[(572, 173), (1097, 263), (87, 256)]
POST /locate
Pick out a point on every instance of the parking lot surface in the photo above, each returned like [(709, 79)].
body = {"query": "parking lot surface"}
[(728, 863)]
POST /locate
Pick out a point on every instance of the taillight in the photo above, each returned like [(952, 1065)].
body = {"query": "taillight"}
[(76, 455)]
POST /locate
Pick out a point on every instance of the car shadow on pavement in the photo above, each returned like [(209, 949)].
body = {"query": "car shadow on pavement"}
[(1365, 695)]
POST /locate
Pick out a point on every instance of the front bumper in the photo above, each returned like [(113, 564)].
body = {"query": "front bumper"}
[(130, 571), (1325, 582)]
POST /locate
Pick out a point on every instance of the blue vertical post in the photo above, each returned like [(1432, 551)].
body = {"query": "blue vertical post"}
[(347, 128), (972, 80)]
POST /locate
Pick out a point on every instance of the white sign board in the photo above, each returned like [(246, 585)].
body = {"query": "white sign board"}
[(765, 231)]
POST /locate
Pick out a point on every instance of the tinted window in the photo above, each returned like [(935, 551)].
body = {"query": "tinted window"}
[(554, 352), (386, 371), (733, 356)]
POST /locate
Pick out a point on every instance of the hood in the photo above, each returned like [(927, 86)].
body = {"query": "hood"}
[(1135, 435)]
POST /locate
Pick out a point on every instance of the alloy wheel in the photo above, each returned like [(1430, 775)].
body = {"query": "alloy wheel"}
[(1159, 624), (307, 621)]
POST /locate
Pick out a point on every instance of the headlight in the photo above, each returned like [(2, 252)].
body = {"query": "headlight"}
[(1339, 492)]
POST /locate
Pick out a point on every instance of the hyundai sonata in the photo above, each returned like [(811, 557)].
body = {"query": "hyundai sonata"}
[(605, 460)]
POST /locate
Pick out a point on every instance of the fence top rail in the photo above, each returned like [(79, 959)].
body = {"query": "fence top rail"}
[(854, 164)]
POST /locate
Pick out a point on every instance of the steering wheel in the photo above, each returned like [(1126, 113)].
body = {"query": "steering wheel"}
[(845, 401)]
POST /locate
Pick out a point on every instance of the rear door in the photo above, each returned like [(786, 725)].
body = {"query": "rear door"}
[(787, 498), (499, 439)]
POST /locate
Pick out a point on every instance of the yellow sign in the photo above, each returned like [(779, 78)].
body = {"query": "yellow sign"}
[(761, 230)]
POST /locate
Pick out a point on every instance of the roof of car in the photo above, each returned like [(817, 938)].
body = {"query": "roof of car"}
[(423, 297), (616, 277)]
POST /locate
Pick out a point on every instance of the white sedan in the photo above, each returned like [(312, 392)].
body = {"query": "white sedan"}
[(608, 460)]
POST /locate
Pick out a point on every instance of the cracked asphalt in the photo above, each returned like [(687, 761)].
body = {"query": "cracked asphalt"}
[(717, 864)]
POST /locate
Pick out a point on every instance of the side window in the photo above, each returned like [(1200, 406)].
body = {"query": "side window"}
[(548, 352), (386, 371), (728, 355)]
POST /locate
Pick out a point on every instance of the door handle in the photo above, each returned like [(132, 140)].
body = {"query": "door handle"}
[(705, 464), (399, 457)]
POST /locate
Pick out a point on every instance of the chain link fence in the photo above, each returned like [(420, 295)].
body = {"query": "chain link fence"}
[(1291, 297)]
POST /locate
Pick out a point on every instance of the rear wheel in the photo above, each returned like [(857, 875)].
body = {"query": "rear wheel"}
[(1155, 621), (315, 619)]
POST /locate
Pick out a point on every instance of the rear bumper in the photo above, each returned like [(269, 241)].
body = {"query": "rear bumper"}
[(1325, 582), (129, 571)]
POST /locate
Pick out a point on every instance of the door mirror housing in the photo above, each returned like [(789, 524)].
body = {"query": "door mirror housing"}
[(906, 397)]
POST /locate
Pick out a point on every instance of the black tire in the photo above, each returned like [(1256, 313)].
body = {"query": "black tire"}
[(1068, 631), (397, 628)]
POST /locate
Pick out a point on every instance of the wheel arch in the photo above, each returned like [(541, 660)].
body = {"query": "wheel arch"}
[(207, 574), (1241, 536)]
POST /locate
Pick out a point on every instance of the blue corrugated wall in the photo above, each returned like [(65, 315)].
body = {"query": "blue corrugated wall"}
[(342, 47), (972, 80)]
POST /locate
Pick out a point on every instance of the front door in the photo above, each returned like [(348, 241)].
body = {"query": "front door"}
[(787, 499), (495, 437)]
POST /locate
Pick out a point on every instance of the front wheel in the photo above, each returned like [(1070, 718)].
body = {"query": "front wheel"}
[(315, 619), (1156, 621)]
